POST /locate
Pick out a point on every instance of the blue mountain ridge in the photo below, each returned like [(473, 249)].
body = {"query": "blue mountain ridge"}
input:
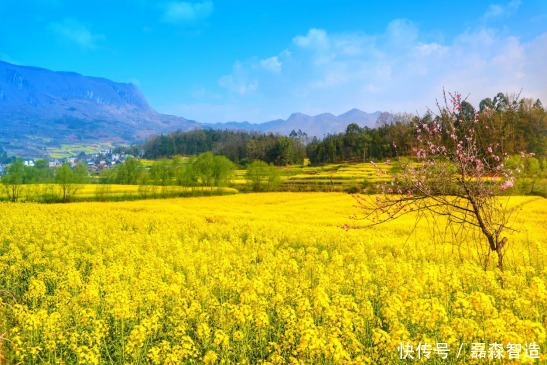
[(40, 108)]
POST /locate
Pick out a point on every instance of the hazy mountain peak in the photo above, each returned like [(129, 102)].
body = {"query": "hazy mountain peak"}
[(299, 115), (38, 88), (319, 125)]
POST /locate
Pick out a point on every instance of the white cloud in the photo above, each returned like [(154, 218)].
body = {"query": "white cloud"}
[(401, 33), (241, 81), (75, 32), (188, 12), (397, 70), (316, 38), (498, 11), (431, 49), (271, 64)]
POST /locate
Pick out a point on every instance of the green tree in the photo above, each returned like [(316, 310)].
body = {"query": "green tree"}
[(129, 172), (223, 170), (284, 151), (13, 180), (262, 176), (177, 167), (188, 175), (204, 166), (161, 172), (40, 173), (69, 180)]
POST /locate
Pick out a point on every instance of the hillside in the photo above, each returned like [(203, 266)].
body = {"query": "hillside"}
[(40, 108)]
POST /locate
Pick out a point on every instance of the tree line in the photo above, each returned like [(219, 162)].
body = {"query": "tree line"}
[(203, 170), (519, 125), (58, 184), (238, 146)]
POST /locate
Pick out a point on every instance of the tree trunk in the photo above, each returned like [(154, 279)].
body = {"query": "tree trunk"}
[(499, 251)]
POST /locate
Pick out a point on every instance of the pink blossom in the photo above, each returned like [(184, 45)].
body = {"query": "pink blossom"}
[(490, 149), (507, 184)]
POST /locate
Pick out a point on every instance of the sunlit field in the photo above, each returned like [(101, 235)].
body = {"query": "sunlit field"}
[(110, 192), (329, 177), (69, 150), (273, 278)]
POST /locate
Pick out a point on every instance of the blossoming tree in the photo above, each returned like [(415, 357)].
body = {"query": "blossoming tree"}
[(458, 173)]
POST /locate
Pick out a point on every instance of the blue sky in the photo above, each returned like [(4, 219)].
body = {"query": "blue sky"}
[(258, 60)]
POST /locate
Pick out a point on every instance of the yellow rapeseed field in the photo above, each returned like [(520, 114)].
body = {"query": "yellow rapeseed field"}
[(276, 278)]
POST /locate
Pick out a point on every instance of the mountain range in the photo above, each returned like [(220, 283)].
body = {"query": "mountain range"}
[(318, 125), (40, 108)]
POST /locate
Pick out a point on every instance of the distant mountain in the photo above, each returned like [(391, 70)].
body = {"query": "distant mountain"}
[(360, 117), (318, 125), (39, 107)]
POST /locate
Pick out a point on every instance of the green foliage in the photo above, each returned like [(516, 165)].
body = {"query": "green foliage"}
[(513, 162), (40, 173), (236, 146), (203, 170), (204, 167), (515, 126), (223, 170), (13, 180), (129, 172), (162, 172), (364, 144), (188, 175), (68, 180), (532, 166), (210, 170), (262, 176)]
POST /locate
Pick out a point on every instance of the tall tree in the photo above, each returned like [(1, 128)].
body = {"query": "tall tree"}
[(69, 180), (456, 176), (13, 180), (262, 176), (222, 170)]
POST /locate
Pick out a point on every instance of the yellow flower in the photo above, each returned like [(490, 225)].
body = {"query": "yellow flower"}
[(210, 358)]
